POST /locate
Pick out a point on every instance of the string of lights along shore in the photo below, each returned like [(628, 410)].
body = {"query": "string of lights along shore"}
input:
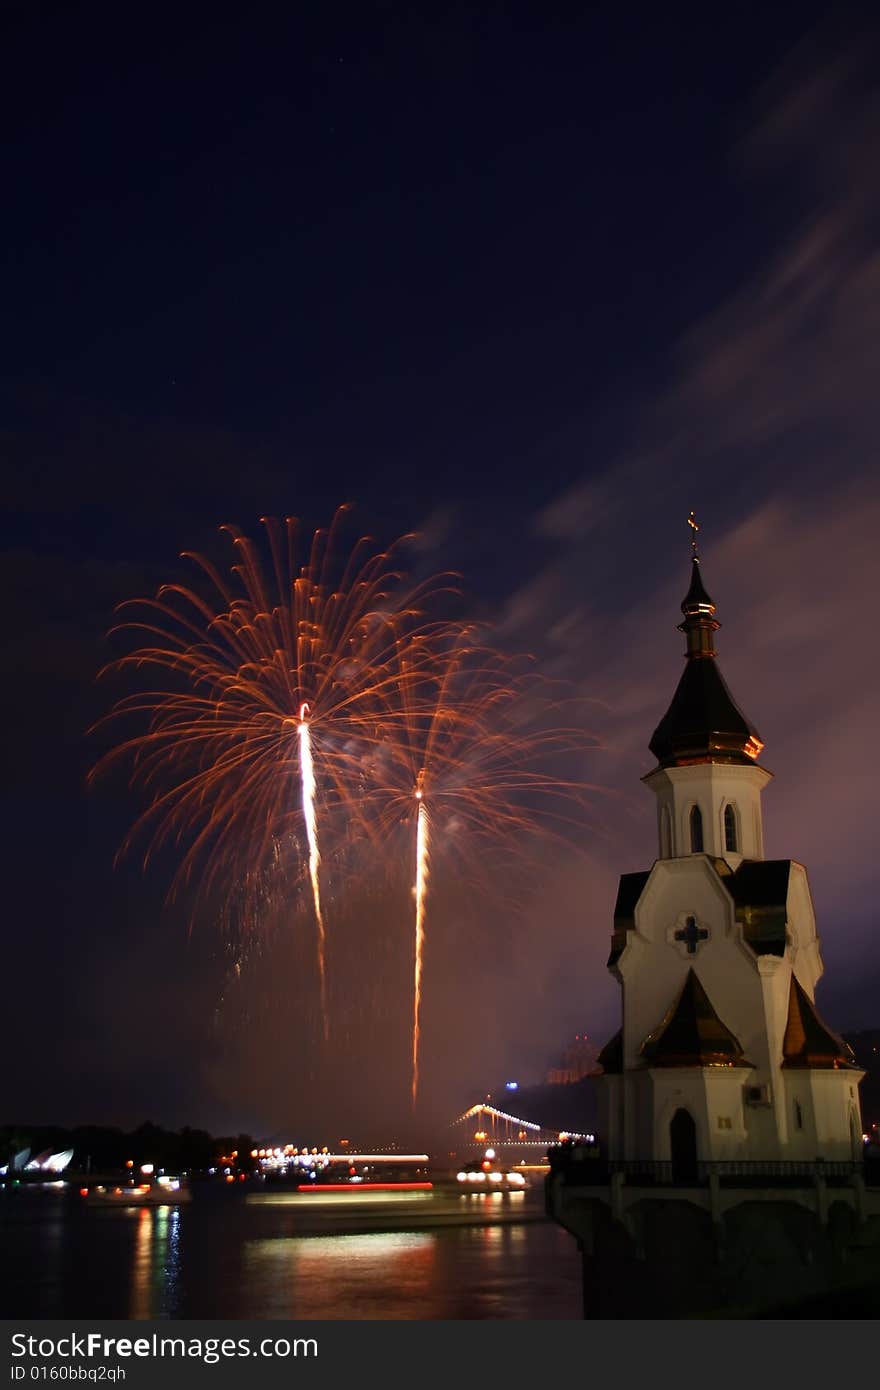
[(311, 696)]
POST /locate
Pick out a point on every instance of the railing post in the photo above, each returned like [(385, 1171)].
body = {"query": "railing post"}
[(617, 1181), (858, 1184), (715, 1210), (715, 1197), (821, 1197)]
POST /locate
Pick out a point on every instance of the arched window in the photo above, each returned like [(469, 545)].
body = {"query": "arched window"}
[(696, 830), (730, 841), (798, 1115)]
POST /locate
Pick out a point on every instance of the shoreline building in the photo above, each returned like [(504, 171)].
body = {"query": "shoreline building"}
[(580, 1059), (728, 1109)]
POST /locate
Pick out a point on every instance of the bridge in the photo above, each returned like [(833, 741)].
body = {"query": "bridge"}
[(486, 1124)]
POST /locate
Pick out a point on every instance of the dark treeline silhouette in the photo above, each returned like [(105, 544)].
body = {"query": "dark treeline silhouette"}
[(102, 1148)]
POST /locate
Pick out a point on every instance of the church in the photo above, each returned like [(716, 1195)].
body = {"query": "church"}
[(722, 1053), (730, 1132)]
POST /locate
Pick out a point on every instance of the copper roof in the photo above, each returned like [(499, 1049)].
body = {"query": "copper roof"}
[(692, 1034), (808, 1042)]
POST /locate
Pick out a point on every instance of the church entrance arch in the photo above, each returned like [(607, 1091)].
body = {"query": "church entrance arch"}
[(683, 1145)]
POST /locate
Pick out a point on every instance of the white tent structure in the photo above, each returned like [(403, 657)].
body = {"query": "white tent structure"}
[(47, 1162)]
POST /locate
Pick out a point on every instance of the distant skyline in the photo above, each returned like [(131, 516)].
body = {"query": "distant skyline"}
[(533, 283)]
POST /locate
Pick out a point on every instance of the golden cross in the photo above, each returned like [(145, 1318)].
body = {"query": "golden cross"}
[(694, 525)]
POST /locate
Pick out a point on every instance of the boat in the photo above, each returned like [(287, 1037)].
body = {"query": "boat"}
[(158, 1192), (485, 1176)]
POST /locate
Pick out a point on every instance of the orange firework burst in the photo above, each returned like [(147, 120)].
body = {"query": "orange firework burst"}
[(272, 689), (480, 758)]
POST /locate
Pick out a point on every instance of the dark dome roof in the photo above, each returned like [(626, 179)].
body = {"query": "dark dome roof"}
[(697, 600), (704, 722)]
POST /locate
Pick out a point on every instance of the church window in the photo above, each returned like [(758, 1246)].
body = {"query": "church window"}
[(696, 830), (798, 1115), (730, 829)]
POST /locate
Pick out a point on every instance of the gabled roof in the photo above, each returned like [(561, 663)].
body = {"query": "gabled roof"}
[(759, 888), (692, 1034), (808, 1042)]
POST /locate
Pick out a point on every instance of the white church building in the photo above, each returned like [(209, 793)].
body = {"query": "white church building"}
[(729, 1175), (722, 1055)]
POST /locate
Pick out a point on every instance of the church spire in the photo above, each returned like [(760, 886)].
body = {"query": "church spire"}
[(699, 624), (703, 723)]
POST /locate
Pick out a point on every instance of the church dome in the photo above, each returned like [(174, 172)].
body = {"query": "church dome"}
[(703, 722)]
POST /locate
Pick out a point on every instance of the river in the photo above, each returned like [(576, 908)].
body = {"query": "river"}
[(226, 1255)]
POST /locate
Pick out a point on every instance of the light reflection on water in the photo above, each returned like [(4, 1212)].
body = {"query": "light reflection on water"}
[(297, 1277), (226, 1259), (155, 1261)]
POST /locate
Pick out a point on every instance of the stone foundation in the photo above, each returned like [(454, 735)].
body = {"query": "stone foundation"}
[(767, 1253)]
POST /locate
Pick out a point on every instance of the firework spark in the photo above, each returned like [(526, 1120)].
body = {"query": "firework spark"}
[(292, 707), (480, 748), (244, 664)]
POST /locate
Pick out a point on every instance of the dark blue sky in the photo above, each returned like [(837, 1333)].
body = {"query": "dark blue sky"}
[(514, 274), (354, 251)]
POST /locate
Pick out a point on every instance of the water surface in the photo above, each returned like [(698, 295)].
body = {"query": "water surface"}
[(222, 1256)]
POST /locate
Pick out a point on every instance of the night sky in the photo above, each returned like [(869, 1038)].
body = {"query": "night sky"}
[(529, 279)]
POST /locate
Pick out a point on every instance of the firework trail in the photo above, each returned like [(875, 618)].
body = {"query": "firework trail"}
[(320, 650), (421, 892), (307, 771), (476, 748)]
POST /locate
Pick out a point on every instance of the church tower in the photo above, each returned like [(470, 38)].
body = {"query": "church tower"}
[(722, 1055)]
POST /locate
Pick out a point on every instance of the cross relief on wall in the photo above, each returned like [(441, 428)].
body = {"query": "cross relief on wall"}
[(692, 935)]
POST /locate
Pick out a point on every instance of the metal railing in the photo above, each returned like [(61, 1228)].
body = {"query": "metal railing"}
[(586, 1166)]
